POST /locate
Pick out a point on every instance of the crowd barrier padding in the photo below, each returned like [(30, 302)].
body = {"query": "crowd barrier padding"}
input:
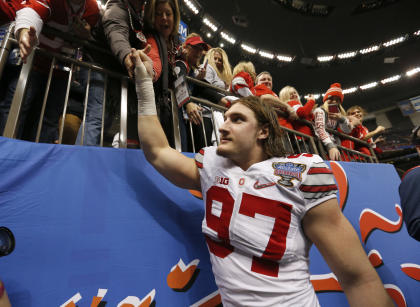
[(100, 224)]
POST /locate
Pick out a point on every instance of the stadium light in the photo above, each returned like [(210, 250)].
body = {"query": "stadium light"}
[(284, 58), (248, 48), (413, 71), (266, 54), (369, 49), (210, 24), (325, 58), (369, 85), (350, 90), (394, 41), (391, 79), (228, 38), (192, 6), (347, 55)]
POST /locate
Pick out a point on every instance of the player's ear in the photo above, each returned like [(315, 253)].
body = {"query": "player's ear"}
[(263, 132)]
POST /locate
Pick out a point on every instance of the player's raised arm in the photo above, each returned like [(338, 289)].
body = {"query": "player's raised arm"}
[(177, 168), (333, 235)]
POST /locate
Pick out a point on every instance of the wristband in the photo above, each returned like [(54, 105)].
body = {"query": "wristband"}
[(145, 97)]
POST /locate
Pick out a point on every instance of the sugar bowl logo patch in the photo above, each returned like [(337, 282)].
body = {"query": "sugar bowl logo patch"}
[(287, 171)]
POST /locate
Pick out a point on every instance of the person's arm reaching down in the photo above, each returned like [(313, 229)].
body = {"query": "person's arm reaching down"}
[(177, 168)]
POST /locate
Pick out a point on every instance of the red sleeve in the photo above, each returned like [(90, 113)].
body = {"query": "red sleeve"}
[(306, 110), (242, 81), (42, 7), (91, 14), (261, 89), (155, 57)]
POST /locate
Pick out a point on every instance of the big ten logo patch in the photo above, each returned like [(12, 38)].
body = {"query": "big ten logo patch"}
[(221, 180)]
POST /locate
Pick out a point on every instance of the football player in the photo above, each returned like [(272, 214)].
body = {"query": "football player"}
[(263, 209)]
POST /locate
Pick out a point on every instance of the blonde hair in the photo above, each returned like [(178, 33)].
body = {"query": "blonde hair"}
[(284, 94), (353, 108), (226, 73), (150, 12), (246, 67), (325, 108)]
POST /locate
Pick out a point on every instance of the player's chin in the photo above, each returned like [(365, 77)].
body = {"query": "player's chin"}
[(222, 150)]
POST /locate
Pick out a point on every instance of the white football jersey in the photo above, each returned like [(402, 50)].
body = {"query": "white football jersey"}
[(252, 224)]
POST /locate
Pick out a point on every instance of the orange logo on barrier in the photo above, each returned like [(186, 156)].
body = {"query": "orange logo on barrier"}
[(129, 301), (325, 282), (375, 258), (342, 182), (182, 276), (370, 220), (412, 270)]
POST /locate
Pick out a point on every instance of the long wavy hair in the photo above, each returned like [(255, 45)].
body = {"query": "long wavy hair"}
[(226, 73), (150, 12), (265, 115)]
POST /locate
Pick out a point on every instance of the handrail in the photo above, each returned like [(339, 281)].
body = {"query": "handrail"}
[(79, 42), (77, 62), (205, 84), (350, 153)]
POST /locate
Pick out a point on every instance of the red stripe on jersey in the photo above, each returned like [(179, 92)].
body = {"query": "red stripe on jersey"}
[(199, 165), (319, 170), (318, 188)]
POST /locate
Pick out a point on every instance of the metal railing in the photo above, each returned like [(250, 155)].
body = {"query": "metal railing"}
[(72, 64), (295, 141)]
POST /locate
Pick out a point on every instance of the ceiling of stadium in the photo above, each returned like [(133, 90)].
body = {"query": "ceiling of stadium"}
[(292, 27)]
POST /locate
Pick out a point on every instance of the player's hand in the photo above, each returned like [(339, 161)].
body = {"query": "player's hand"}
[(334, 154), (143, 65), (27, 41), (194, 112), (131, 59)]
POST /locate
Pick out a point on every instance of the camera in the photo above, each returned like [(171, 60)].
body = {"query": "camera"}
[(7, 241)]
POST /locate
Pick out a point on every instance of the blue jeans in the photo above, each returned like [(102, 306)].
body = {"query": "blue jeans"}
[(92, 131), (34, 95)]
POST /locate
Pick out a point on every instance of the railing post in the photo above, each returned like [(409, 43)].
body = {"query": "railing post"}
[(63, 117), (18, 97), (103, 111), (175, 122), (44, 102), (5, 47), (85, 105), (123, 113)]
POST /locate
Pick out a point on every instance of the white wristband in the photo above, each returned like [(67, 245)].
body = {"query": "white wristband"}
[(145, 97)]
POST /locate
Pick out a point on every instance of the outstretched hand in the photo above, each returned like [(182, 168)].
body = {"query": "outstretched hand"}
[(131, 60), (27, 41)]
